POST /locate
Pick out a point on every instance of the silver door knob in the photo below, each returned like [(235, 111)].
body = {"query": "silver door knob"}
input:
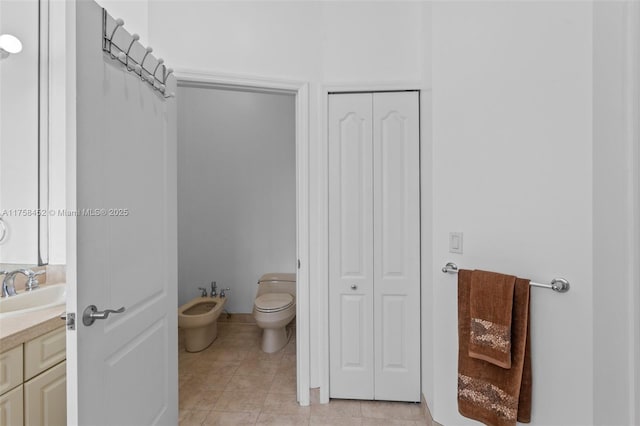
[(354, 287), (92, 313)]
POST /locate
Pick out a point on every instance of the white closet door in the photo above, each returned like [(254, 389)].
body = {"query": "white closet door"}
[(351, 246), (396, 273)]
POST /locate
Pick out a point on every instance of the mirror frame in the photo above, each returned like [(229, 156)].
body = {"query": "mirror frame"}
[(43, 132)]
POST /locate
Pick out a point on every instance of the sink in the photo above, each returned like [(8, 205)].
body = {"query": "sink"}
[(47, 296)]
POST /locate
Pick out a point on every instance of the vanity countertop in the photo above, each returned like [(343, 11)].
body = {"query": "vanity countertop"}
[(21, 328)]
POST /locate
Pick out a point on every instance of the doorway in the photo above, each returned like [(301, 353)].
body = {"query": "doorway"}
[(300, 262)]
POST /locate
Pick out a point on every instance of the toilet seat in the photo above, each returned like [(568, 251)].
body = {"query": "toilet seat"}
[(273, 302)]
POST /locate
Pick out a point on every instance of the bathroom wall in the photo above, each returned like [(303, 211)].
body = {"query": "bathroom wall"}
[(530, 137), (512, 135), (613, 256), (515, 159), (315, 41), (236, 191)]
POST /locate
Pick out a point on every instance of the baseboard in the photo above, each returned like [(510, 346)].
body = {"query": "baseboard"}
[(237, 318), (427, 413)]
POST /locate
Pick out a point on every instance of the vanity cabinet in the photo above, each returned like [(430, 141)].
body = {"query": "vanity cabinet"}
[(33, 385)]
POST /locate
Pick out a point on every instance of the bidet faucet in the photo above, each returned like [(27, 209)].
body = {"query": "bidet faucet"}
[(203, 290), (222, 292), (214, 289)]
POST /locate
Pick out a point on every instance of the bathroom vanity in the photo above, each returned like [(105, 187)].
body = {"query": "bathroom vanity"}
[(33, 369)]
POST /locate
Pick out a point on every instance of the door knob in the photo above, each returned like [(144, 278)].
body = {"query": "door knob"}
[(92, 313), (354, 287)]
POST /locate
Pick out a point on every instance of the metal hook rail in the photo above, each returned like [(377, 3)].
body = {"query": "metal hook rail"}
[(559, 285), (123, 55)]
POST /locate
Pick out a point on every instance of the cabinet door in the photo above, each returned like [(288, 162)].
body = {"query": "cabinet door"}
[(11, 408), (396, 260), (10, 369), (45, 398), (350, 246)]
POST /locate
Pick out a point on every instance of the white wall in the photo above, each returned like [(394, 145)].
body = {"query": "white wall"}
[(236, 191), (613, 256), (512, 169), (314, 41)]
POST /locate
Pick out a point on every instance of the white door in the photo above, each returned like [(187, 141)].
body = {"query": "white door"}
[(122, 370), (374, 246), (396, 260), (351, 246)]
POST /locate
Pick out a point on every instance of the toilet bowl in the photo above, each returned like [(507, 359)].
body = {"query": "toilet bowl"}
[(199, 320), (274, 308)]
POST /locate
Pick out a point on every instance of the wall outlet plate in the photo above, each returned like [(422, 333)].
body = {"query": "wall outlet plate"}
[(455, 242)]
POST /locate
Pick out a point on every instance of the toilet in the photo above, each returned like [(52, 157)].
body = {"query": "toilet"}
[(274, 308)]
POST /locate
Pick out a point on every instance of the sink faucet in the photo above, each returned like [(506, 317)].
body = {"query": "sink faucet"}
[(5, 274), (8, 285)]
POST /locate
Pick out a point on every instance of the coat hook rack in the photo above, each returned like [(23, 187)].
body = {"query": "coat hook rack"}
[(124, 55)]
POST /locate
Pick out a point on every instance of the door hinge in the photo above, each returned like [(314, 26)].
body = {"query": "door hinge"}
[(69, 319), (298, 263)]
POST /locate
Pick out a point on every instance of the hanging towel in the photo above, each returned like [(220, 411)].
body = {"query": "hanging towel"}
[(494, 395), (491, 301)]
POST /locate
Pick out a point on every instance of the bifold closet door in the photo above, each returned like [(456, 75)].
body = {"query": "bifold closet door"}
[(396, 260), (351, 246), (374, 246)]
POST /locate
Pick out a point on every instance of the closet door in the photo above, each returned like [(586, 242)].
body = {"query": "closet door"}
[(396, 245), (351, 246)]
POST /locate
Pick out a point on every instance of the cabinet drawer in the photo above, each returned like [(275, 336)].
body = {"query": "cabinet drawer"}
[(10, 369), (11, 412), (44, 352), (45, 398)]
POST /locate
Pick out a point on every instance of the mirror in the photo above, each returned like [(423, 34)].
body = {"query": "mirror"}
[(24, 135)]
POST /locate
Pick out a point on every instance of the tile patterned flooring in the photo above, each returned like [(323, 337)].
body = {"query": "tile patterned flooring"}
[(234, 383)]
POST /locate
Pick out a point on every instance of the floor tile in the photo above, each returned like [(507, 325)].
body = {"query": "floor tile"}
[(192, 417), (227, 418), (241, 401), (256, 367), (337, 408), (250, 383), (282, 403), (284, 384), (392, 410), (335, 421), (281, 420)]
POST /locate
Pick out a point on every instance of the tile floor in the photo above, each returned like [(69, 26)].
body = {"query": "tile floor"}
[(234, 383)]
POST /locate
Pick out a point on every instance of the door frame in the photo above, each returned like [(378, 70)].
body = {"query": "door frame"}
[(633, 111), (322, 214), (300, 89)]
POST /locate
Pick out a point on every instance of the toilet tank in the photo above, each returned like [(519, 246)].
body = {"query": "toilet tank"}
[(277, 282)]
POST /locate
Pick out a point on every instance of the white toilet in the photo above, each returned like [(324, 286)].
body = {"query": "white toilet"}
[(274, 308)]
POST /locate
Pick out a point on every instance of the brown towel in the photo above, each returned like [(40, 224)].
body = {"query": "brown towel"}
[(486, 392), (491, 301)]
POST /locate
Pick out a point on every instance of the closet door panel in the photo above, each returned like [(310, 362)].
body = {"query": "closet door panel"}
[(396, 245), (351, 246)]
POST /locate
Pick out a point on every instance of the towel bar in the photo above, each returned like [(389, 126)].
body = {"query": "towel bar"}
[(557, 284)]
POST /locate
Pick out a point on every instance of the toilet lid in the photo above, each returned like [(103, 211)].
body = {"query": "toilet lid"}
[(274, 302)]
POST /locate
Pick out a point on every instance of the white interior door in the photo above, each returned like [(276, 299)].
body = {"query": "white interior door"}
[(396, 259), (374, 246), (351, 247), (121, 370)]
